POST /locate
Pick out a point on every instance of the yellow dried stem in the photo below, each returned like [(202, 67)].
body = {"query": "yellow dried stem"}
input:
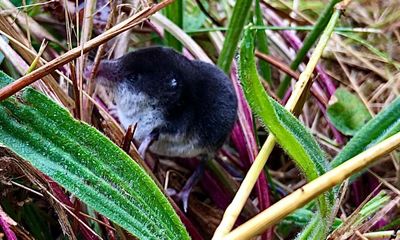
[(179, 34), (99, 54), (312, 190), (28, 23)]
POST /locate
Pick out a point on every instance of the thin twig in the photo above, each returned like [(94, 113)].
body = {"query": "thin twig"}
[(295, 75), (74, 53)]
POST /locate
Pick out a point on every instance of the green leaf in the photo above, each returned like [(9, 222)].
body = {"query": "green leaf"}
[(194, 18), (300, 217), (87, 164), (313, 230), (289, 132), (347, 112), (35, 221), (382, 126), (357, 218)]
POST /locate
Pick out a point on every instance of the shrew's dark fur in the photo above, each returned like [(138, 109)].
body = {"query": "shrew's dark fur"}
[(190, 99)]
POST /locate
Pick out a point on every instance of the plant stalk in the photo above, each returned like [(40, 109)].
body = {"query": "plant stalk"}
[(308, 192), (294, 105)]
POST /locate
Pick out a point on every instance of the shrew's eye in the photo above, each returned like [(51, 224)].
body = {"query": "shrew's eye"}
[(173, 83)]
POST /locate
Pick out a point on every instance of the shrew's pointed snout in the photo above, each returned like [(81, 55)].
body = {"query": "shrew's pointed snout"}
[(109, 70)]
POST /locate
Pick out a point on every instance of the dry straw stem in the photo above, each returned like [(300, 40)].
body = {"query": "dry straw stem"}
[(22, 67), (61, 74), (177, 32), (11, 30), (111, 122), (294, 104), (312, 190), (76, 52), (27, 22), (87, 25), (382, 234), (286, 69)]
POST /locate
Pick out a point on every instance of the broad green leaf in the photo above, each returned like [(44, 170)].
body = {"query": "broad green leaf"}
[(289, 132), (347, 112), (87, 164), (382, 126)]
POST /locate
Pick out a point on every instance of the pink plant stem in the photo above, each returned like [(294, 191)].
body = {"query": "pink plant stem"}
[(60, 195), (296, 43), (6, 228), (109, 231), (244, 133), (323, 77)]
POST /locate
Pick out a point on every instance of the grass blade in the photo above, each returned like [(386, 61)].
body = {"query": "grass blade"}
[(236, 24), (262, 45), (308, 43), (174, 12)]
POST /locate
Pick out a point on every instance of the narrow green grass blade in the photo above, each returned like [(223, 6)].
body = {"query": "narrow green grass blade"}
[(372, 206), (371, 47), (382, 126), (308, 43), (262, 45), (295, 28), (87, 164), (174, 12), (355, 220), (236, 24), (289, 132), (36, 222)]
